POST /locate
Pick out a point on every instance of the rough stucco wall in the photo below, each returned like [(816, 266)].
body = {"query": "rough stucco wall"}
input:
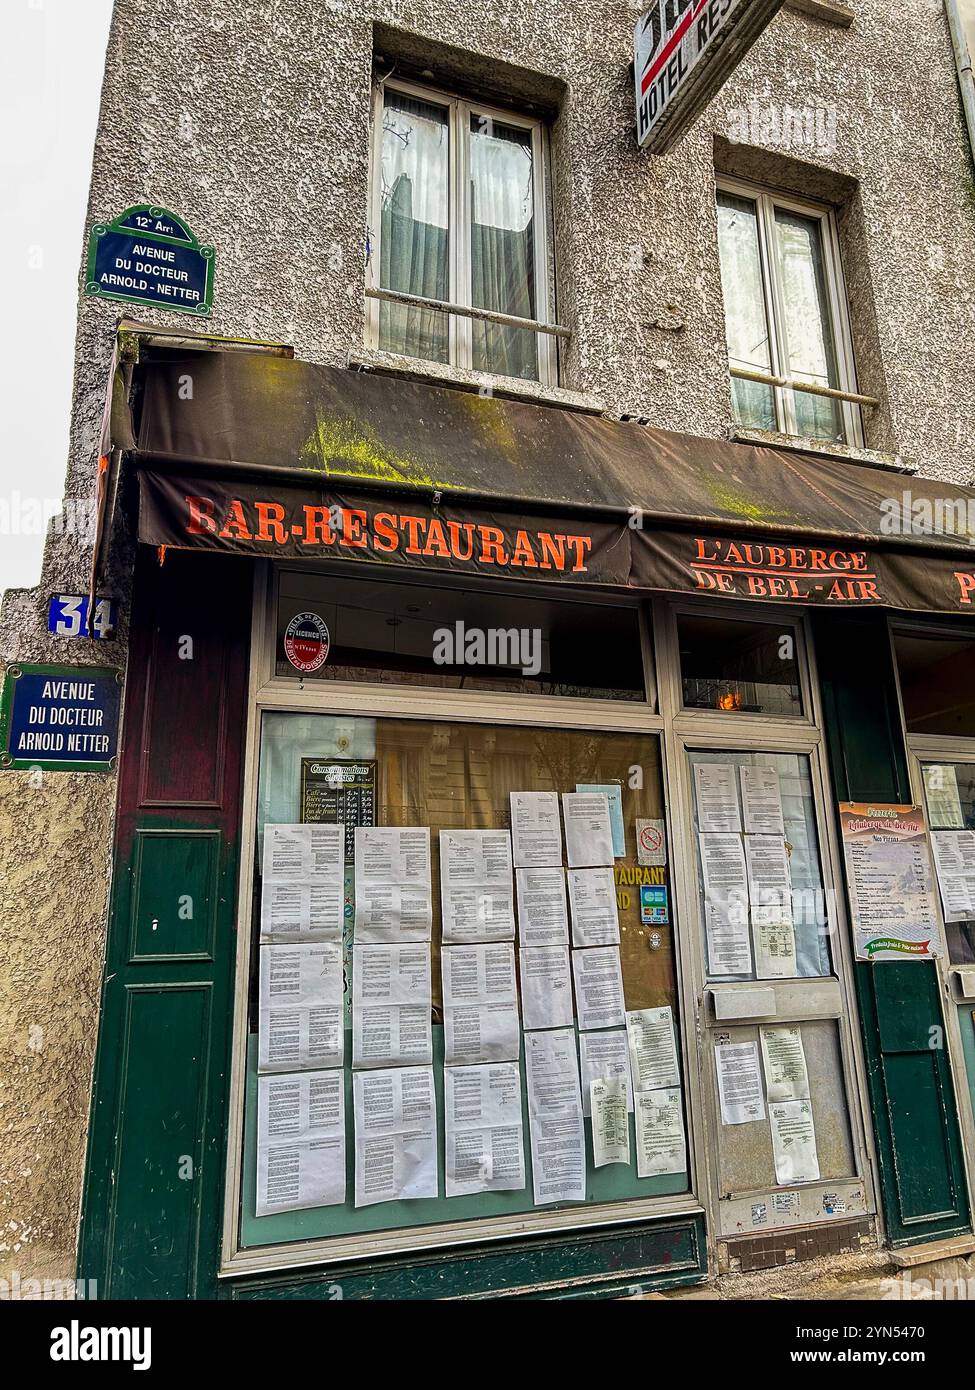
[(251, 121)]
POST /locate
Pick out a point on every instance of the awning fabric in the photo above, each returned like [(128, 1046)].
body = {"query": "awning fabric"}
[(247, 453)]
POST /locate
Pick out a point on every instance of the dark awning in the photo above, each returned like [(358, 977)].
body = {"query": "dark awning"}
[(246, 452)]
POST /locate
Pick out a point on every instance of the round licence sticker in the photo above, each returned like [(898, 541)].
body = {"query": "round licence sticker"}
[(306, 642)]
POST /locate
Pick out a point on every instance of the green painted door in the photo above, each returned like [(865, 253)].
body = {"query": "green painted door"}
[(915, 1120), (151, 1212)]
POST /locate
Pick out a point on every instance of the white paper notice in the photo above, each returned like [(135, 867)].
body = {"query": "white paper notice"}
[(303, 885), (588, 829), (558, 1137), (954, 859), (483, 1129), (300, 1141), (542, 916), (774, 937), (653, 1049), (725, 904), (393, 897), (941, 793), (546, 987), (610, 1124), (536, 830), (786, 1077), (769, 877), (300, 1023), (761, 800), (295, 853), (592, 900), (599, 987), (739, 1083), (480, 1003), (793, 1142), (716, 790), (395, 1135), (614, 790), (660, 1143), (391, 1003), (477, 894), (604, 1055), (729, 949)]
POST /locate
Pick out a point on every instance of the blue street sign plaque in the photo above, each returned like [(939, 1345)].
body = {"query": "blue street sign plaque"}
[(60, 718), (147, 255)]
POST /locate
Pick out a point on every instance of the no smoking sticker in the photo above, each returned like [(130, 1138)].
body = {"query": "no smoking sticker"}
[(306, 642), (651, 842)]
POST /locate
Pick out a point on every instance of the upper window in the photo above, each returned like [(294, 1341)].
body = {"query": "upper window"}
[(785, 316), (462, 639), (937, 676), (458, 217)]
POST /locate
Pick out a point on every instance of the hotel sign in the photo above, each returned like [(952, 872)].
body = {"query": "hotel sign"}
[(683, 51)]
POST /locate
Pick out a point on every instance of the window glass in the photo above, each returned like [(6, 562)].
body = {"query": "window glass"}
[(746, 1152), (449, 776), (778, 281), (414, 247), (949, 795), (739, 667), (465, 639), (746, 320), (937, 678), (810, 353), (764, 907), (503, 245)]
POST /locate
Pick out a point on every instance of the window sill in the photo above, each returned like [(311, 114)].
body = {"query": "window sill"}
[(829, 11), (463, 379), (867, 458)]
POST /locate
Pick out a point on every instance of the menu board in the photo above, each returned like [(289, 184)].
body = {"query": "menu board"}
[(339, 792), (892, 900)]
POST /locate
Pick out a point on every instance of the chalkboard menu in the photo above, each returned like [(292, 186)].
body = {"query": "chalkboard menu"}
[(339, 792)]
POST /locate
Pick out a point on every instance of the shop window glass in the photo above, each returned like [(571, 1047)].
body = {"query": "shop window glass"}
[(465, 639), (738, 667), (764, 907), (451, 776), (749, 1158), (949, 795), (937, 678)]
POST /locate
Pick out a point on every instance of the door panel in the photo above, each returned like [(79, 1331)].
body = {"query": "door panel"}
[(915, 1121), (151, 1212)]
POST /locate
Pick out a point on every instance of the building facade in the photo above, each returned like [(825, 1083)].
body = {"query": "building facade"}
[(673, 425)]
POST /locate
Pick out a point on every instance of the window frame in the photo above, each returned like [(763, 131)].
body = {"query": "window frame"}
[(799, 999), (460, 331), (269, 692), (678, 730), (766, 203)]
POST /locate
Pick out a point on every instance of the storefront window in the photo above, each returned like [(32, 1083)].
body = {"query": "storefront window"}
[(937, 678), (462, 639), (738, 667), (762, 898), (459, 1098)]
